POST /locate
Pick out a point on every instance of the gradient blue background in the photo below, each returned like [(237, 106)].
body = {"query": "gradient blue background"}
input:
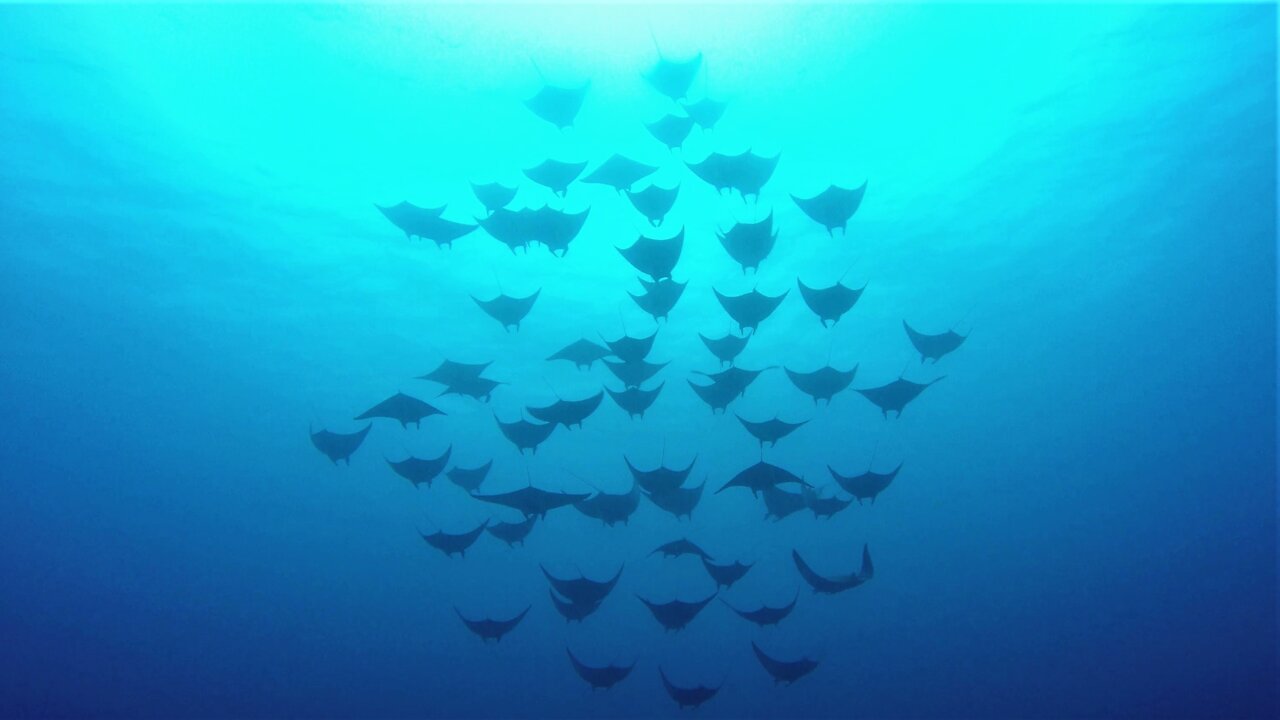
[(191, 271)]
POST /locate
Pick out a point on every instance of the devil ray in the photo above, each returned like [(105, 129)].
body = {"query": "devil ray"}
[(835, 583), (454, 544), (421, 470), (784, 672), (933, 347), (832, 207), (749, 309), (866, 486), (469, 479), (402, 408), (508, 309), (339, 446), (749, 243), (531, 501), (894, 396), (582, 353), (488, 629), (604, 676), (829, 303), (676, 614), (558, 104), (654, 202), (655, 257), (765, 615), (635, 400), (823, 383)]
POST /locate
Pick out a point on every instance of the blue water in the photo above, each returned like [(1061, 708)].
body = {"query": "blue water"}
[(192, 272)]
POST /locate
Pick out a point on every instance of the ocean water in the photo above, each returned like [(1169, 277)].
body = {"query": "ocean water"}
[(193, 275)]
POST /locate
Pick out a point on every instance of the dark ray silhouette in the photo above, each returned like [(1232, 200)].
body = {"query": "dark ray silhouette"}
[(402, 408), (450, 544), (582, 353), (770, 431), (582, 590), (673, 77), (765, 615), (515, 532), (671, 130), (556, 229), (832, 207), (631, 349), (469, 479), (661, 479), (779, 503), (406, 212), (676, 548), (746, 172), (339, 446), (933, 347), (507, 309), (611, 508), (449, 372), (634, 373), (567, 413), (653, 256), (784, 672), (514, 228), (823, 383), (558, 104), (835, 583), (680, 501), (762, 475), (725, 575), (654, 202), (493, 196), (605, 676), (688, 697), (675, 615), (524, 434), (867, 485), (619, 172), (823, 507), (734, 379), (894, 396), (659, 297), (725, 348), (425, 223), (492, 629), (750, 172), (715, 169), (408, 217), (717, 395), (518, 229), (749, 309), (443, 232), (830, 303), (421, 470), (572, 611), (749, 243), (478, 388), (634, 400), (440, 231), (706, 112), (531, 501), (555, 175)]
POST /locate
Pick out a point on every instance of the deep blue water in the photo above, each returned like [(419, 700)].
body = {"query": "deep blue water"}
[(192, 272)]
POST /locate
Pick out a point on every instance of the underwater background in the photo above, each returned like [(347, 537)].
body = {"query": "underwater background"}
[(193, 273)]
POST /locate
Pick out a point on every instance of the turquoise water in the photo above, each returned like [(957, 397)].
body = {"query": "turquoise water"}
[(193, 272)]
